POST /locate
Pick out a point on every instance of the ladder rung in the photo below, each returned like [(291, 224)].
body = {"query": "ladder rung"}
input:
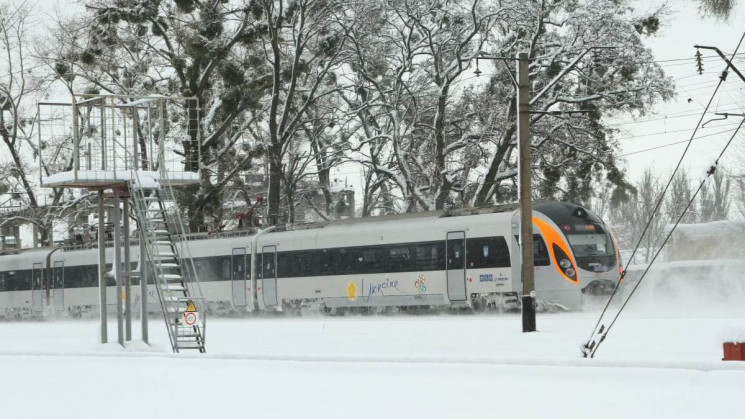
[(170, 276), (196, 345), (163, 243), (176, 309), (168, 265), (173, 287), (165, 255)]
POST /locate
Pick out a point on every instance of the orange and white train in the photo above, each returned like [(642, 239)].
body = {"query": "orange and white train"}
[(461, 259)]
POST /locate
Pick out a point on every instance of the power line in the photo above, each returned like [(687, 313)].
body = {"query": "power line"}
[(666, 132), (672, 115), (599, 332), (709, 172), (675, 143)]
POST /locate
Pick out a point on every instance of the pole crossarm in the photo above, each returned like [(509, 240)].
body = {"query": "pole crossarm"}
[(726, 60)]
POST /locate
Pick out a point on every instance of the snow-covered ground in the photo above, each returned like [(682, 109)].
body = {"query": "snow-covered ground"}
[(654, 364)]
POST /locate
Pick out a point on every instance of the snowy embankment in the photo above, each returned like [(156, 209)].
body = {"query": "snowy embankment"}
[(661, 361)]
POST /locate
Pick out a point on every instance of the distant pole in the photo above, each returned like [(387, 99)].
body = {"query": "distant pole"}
[(127, 273), (526, 201), (102, 267), (143, 283), (118, 266)]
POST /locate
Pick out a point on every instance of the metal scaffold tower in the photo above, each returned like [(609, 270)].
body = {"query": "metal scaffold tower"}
[(134, 151)]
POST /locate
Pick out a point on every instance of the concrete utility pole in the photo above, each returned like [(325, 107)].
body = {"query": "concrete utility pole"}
[(527, 272), (524, 102)]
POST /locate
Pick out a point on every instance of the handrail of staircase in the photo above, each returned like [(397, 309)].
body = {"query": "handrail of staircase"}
[(147, 229), (183, 242)]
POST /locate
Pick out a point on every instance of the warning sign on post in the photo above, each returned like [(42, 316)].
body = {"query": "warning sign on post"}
[(190, 315)]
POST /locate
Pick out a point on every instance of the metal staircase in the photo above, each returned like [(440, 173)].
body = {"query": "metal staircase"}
[(171, 266)]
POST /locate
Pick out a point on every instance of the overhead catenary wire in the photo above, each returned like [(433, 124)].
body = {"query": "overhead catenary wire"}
[(654, 134), (591, 346), (676, 143), (709, 173)]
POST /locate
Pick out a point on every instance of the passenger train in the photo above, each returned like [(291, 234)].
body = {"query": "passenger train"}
[(465, 259)]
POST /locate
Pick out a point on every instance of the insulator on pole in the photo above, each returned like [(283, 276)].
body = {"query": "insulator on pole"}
[(699, 62)]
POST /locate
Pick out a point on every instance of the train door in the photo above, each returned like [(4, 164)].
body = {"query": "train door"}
[(455, 249), (269, 275), (238, 277), (37, 287), (58, 283)]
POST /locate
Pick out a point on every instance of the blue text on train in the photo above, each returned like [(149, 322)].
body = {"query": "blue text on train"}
[(378, 288)]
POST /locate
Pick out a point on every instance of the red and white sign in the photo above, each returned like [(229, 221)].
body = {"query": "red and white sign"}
[(191, 318)]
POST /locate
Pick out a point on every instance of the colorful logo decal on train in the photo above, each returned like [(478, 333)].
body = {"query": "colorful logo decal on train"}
[(419, 284), (352, 290)]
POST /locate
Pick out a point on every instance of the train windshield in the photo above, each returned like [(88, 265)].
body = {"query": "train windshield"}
[(593, 248)]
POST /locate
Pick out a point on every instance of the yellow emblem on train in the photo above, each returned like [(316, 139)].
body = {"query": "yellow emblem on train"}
[(352, 290)]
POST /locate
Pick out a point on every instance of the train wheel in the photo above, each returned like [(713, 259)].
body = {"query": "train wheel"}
[(371, 311), (479, 304)]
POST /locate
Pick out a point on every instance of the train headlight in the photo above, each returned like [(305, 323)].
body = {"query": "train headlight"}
[(564, 264)]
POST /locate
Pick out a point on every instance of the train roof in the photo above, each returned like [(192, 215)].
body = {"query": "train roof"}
[(404, 220), (504, 208)]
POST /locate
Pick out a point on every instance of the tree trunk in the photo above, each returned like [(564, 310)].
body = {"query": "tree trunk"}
[(487, 186), (441, 178), (275, 183)]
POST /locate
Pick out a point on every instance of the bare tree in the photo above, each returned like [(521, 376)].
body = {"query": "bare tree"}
[(18, 89), (631, 217), (203, 49), (302, 49), (408, 58), (720, 9), (714, 198), (679, 197)]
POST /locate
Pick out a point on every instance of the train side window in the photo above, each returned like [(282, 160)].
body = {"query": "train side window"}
[(268, 264), (540, 251), (371, 260), (287, 265), (310, 263), (487, 252), (456, 254), (346, 260), (430, 256), (224, 268), (15, 281), (399, 259), (202, 267), (323, 263)]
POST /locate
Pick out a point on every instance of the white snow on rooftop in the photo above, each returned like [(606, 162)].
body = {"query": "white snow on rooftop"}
[(710, 229), (84, 178)]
